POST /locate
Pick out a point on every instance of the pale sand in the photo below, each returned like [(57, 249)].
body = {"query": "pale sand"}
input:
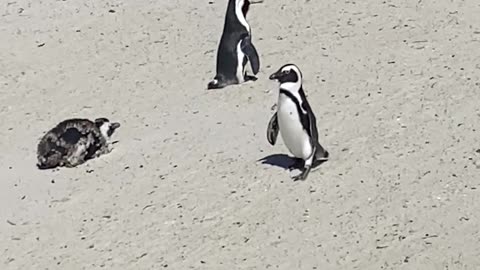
[(395, 86)]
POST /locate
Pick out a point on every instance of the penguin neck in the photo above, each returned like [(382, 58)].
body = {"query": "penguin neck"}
[(104, 130), (292, 87), (292, 90), (240, 15)]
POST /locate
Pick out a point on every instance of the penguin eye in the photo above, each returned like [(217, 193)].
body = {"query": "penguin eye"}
[(287, 71)]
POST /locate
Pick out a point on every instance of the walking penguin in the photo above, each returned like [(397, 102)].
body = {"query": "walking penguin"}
[(235, 49), (296, 121)]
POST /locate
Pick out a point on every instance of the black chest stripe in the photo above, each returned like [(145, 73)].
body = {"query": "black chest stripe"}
[(303, 117)]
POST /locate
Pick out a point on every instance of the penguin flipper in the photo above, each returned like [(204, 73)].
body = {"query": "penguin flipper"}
[(77, 154), (251, 52), (272, 130)]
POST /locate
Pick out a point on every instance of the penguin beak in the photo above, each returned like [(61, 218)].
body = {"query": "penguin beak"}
[(115, 125), (256, 2), (112, 128), (275, 76)]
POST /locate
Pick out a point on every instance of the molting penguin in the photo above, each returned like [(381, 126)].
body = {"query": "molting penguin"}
[(74, 141), (296, 121), (235, 48)]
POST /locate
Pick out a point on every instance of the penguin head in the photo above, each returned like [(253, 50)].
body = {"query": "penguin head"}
[(288, 73), (245, 5), (106, 127)]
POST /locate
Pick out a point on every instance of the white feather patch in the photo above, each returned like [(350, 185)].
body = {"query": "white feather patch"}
[(239, 13)]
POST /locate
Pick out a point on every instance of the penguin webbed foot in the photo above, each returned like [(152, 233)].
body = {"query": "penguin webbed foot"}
[(250, 78), (303, 175), (298, 163)]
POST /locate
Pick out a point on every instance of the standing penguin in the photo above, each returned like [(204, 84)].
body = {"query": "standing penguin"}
[(74, 141), (235, 48), (296, 121)]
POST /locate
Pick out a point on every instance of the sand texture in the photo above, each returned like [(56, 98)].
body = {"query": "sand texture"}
[(394, 85)]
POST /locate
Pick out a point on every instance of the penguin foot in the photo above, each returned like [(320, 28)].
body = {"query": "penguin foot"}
[(298, 163), (250, 78), (303, 175)]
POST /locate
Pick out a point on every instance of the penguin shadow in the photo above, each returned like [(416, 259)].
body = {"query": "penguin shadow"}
[(287, 162)]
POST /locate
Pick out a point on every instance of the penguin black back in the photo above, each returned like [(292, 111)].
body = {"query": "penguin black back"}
[(55, 143), (235, 48), (233, 19)]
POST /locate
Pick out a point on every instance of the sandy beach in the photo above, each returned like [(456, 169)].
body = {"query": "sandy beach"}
[(395, 86)]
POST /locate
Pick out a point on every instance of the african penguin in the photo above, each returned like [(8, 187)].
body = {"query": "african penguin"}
[(296, 121), (74, 141), (235, 48)]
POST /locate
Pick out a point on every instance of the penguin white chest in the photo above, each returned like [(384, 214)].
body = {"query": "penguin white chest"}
[(293, 134), (240, 67)]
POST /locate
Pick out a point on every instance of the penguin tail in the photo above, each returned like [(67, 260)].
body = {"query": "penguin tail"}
[(43, 164), (322, 154), (49, 160), (326, 155)]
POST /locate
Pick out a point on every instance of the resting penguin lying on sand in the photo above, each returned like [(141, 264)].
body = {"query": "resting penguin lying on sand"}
[(74, 141)]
